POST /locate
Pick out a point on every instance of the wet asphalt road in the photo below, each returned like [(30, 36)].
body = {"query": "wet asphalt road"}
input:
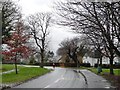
[(59, 78)]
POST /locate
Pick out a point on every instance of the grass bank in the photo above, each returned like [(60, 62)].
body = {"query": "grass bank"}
[(24, 73)]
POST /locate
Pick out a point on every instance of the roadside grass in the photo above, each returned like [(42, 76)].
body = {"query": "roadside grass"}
[(0, 79), (6, 67), (24, 73), (105, 71), (0, 67), (81, 67)]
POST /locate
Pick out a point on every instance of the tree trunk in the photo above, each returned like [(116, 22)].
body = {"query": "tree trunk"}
[(100, 63), (111, 65), (41, 65), (16, 64), (42, 58), (80, 59), (75, 59)]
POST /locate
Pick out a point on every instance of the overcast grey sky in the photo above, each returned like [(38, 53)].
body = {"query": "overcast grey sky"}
[(57, 33)]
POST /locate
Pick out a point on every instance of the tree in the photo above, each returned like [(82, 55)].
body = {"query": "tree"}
[(17, 47), (50, 54), (10, 16), (73, 48), (95, 19), (39, 26)]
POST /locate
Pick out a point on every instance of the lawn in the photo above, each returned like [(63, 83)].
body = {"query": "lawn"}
[(105, 71), (6, 67), (0, 67), (25, 73)]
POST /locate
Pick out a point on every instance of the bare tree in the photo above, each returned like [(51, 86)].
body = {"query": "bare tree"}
[(73, 48), (39, 25), (95, 19)]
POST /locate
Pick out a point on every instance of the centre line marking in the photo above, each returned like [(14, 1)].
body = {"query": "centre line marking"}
[(47, 86), (57, 80), (54, 82)]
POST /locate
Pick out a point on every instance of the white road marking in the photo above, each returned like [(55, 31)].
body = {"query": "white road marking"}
[(55, 81), (62, 78), (52, 83), (47, 86), (107, 87)]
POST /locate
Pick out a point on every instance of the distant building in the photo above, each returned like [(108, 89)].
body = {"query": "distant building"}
[(105, 60)]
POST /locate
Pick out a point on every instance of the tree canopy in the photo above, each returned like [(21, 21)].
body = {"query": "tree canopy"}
[(10, 15)]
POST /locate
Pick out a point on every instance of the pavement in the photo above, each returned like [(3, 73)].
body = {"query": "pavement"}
[(48, 67), (95, 81), (67, 78)]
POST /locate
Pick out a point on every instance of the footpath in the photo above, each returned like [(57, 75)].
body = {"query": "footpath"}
[(95, 81)]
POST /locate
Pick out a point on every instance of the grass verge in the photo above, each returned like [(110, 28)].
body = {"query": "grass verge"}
[(25, 73), (105, 71)]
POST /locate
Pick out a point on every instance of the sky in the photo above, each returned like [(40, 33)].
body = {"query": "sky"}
[(57, 33)]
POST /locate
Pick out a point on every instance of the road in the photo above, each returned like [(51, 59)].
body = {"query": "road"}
[(59, 78), (67, 78)]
